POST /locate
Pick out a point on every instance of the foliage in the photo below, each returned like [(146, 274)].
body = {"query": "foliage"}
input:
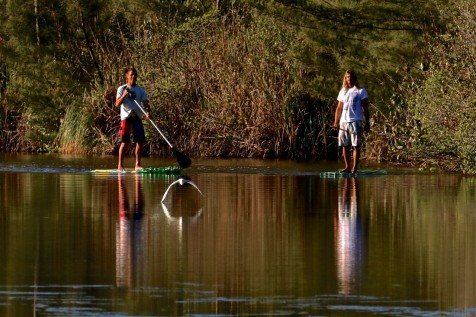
[(394, 129), (214, 82), (228, 80), (445, 104), (223, 85), (378, 39), (382, 41)]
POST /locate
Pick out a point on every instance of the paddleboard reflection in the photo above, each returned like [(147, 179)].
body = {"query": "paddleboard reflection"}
[(182, 199)]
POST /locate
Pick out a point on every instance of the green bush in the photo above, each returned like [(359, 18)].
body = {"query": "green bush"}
[(445, 105), (220, 85)]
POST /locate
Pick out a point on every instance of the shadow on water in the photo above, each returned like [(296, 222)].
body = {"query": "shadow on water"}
[(273, 239)]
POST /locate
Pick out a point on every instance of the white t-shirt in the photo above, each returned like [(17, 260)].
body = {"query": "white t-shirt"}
[(128, 106), (352, 100)]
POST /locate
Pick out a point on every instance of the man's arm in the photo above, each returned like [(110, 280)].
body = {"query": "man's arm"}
[(146, 108), (338, 114), (124, 95), (365, 107)]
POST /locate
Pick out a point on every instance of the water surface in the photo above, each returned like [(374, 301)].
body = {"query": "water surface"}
[(266, 238)]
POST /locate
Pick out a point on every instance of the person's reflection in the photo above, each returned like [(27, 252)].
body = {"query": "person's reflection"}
[(349, 237), (128, 232)]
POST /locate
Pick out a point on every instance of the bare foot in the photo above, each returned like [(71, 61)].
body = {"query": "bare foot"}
[(345, 170), (138, 167)]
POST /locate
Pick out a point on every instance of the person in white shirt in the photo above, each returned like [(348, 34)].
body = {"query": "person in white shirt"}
[(352, 108), (127, 98)]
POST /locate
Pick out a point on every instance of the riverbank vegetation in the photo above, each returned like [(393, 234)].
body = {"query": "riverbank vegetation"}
[(241, 78)]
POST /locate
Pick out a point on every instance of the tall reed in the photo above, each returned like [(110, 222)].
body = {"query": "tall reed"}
[(227, 86), (218, 85)]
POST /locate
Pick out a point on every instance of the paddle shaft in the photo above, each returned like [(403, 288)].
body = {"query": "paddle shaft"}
[(155, 126), (183, 160)]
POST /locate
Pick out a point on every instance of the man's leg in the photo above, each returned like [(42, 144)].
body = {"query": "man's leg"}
[(344, 141), (356, 158), (346, 154), (125, 136), (138, 153), (122, 151), (356, 138), (139, 138)]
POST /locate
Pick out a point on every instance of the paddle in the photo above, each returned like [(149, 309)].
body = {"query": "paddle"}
[(183, 160)]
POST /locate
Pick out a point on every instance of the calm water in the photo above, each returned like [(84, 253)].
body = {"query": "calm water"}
[(267, 238)]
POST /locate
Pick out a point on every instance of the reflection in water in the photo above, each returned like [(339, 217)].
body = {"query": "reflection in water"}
[(348, 237), (182, 182), (178, 201), (264, 245), (128, 233)]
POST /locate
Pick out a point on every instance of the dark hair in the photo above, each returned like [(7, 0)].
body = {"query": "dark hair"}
[(128, 69)]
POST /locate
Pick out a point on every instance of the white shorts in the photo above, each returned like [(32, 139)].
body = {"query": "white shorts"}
[(350, 134)]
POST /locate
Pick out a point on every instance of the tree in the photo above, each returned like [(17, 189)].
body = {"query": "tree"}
[(378, 39), (444, 105)]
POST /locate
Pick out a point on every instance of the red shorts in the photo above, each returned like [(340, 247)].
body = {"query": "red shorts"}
[(135, 125)]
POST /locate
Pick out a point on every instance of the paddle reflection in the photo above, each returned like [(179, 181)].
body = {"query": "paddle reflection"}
[(348, 237), (128, 232), (182, 199)]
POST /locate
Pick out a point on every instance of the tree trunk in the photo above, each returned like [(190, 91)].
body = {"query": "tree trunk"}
[(37, 26)]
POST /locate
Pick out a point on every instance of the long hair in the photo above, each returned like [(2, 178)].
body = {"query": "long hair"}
[(353, 75)]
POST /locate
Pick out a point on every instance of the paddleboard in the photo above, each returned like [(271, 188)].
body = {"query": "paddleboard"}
[(339, 174), (165, 170), (110, 171)]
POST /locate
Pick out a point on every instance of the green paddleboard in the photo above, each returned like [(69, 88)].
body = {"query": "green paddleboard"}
[(165, 170), (358, 174)]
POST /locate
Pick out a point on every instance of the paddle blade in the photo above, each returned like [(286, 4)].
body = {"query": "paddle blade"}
[(183, 160)]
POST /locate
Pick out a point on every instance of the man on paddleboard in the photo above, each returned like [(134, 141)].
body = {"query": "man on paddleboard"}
[(127, 98), (352, 107)]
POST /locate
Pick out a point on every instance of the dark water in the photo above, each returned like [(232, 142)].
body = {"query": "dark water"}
[(267, 238)]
